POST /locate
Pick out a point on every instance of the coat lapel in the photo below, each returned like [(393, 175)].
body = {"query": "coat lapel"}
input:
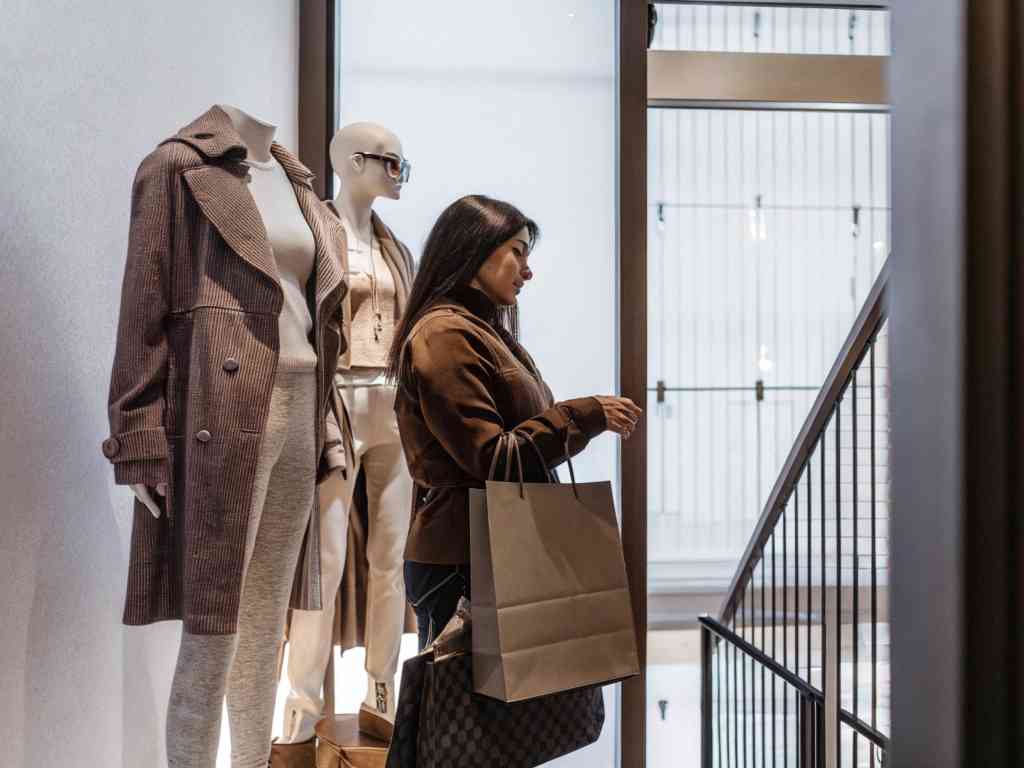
[(225, 200), (220, 190), (328, 234), (227, 203)]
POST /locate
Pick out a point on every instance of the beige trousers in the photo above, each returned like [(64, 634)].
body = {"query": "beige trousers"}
[(378, 451), (242, 667)]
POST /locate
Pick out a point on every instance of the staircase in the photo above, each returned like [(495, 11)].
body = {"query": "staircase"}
[(795, 665)]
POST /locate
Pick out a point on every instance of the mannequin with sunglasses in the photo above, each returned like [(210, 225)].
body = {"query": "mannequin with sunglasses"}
[(362, 436)]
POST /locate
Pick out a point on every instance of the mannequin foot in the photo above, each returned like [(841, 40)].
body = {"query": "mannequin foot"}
[(300, 755), (377, 712)]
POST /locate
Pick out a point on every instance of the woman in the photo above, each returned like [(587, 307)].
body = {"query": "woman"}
[(464, 383)]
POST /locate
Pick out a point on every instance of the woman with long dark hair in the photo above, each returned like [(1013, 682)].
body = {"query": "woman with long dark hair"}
[(465, 385)]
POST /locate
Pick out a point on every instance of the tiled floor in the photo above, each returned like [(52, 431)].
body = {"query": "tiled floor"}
[(673, 677), (673, 698)]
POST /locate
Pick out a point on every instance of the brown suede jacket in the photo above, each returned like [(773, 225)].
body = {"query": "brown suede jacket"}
[(473, 383)]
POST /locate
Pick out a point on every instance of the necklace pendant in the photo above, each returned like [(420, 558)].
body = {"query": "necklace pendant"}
[(378, 327)]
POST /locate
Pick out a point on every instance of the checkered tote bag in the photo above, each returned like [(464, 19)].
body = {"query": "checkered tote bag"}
[(441, 723), (463, 729)]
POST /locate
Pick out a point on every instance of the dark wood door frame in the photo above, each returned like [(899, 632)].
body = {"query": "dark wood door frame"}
[(318, 89), (957, 350), (632, 349)]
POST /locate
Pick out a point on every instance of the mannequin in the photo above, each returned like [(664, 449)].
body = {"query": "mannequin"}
[(257, 136), (217, 402), (368, 440), (247, 689)]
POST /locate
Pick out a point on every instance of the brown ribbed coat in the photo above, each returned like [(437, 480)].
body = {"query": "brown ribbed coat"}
[(194, 367)]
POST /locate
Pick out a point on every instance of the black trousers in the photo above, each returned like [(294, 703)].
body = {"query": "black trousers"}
[(433, 591)]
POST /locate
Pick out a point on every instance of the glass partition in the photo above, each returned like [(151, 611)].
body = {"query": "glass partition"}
[(515, 101), (766, 230)]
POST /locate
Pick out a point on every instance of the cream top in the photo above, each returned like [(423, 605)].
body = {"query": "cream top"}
[(295, 254), (373, 299)]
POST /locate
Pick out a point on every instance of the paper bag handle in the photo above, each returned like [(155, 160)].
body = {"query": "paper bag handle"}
[(511, 448), (497, 454), (543, 463)]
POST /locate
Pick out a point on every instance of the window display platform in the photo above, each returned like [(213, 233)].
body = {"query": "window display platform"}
[(341, 745)]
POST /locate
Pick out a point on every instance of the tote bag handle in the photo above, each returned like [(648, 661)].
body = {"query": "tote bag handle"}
[(543, 463), (508, 444)]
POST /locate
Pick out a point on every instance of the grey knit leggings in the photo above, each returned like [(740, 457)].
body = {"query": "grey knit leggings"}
[(243, 666)]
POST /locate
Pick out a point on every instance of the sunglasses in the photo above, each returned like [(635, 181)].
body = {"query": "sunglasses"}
[(398, 168)]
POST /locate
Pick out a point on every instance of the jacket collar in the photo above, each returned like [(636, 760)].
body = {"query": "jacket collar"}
[(477, 305), (476, 302), (213, 136), (297, 172), (388, 245)]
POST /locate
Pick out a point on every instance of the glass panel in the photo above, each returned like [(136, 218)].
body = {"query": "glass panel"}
[(766, 231), (516, 101)]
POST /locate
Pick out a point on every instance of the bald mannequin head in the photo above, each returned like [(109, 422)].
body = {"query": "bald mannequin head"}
[(364, 179)]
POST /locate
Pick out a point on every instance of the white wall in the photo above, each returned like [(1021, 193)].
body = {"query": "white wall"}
[(88, 89), (516, 101)]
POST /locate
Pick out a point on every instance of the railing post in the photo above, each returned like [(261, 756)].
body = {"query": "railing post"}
[(830, 674), (819, 741), (809, 739), (706, 723)]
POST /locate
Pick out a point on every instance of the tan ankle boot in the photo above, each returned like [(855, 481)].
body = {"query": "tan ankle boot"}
[(301, 755), (374, 724), (378, 719)]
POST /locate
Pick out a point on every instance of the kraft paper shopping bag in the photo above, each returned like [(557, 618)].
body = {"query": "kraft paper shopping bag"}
[(551, 604)]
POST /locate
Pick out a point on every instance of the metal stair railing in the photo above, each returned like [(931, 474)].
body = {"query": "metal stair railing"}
[(795, 666)]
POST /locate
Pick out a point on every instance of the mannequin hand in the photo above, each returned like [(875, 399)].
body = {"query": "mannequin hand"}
[(621, 413), (144, 495)]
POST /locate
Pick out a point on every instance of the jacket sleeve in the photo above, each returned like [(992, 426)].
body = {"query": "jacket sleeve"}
[(137, 445), (455, 378)]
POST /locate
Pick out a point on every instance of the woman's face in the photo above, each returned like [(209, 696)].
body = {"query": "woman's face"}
[(506, 270)]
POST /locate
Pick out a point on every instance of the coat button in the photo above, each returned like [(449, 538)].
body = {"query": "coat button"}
[(231, 365), (203, 436), (110, 447)]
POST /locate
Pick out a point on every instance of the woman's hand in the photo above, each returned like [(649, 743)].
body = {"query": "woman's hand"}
[(620, 413)]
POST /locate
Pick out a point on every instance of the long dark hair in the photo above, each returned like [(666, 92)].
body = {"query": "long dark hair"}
[(465, 234)]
